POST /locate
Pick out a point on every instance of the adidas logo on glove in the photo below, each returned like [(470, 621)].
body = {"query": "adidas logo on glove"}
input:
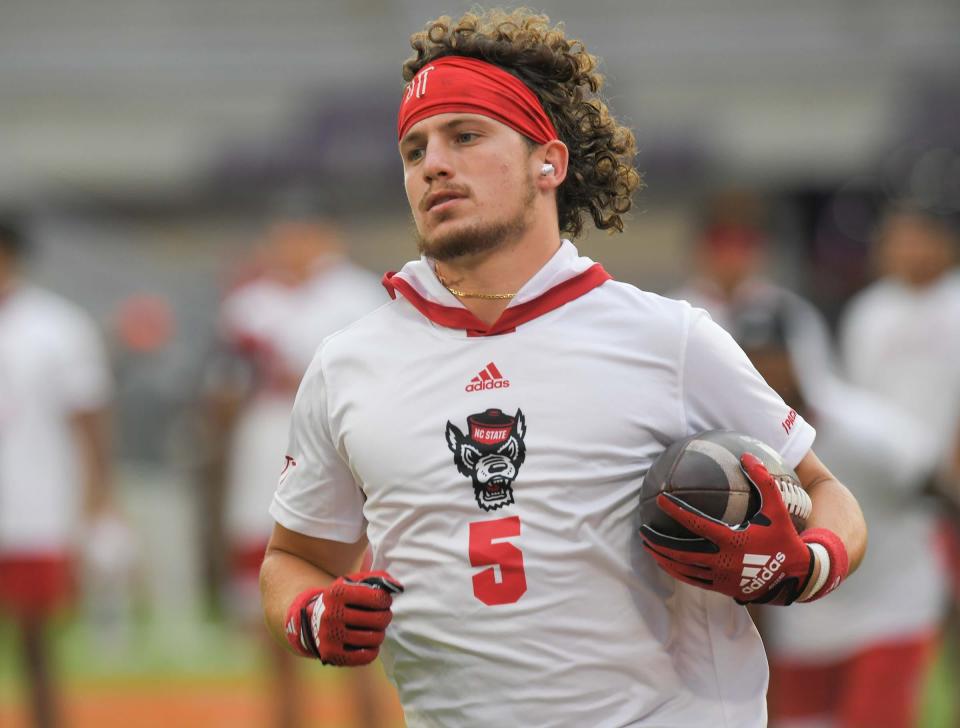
[(758, 570)]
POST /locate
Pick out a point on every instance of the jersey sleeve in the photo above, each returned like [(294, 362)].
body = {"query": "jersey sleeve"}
[(721, 389), (85, 381), (317, 494)]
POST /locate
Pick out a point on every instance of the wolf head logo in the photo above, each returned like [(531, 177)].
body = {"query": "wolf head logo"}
[(491, 455)]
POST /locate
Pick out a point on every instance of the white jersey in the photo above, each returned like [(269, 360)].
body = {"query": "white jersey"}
[(497, 478), (281, 327), (880, 453), (52, 366), (904, 344)]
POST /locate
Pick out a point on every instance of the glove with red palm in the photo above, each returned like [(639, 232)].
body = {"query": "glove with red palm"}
[(343, 624), (764, 561)]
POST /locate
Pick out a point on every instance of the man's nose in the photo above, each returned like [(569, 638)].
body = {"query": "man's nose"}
[(437, 163)]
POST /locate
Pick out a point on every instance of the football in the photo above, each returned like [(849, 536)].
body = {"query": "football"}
[(704, 471)]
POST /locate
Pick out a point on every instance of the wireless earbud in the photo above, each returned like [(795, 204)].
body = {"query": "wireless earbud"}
[(546, 169)]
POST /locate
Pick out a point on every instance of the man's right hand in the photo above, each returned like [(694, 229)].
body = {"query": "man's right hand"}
[(343, 624)]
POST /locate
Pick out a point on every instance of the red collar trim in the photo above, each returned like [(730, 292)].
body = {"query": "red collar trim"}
[(513, 316)]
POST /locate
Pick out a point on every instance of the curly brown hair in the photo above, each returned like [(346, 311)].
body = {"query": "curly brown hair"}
[(560, 71)]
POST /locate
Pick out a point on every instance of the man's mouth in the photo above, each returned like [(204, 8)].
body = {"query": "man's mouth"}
[(439, 200)]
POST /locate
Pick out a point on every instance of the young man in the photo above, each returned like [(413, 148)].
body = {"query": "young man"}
[(860, 658), (54, 393), (487, 432), (900, 336), (271, 326), (900, 339)]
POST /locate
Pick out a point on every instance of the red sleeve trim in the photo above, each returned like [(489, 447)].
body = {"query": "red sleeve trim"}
[(512, 317)]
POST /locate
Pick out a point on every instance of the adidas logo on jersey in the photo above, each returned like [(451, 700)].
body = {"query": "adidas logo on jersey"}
[(759, 570), (488, 378)]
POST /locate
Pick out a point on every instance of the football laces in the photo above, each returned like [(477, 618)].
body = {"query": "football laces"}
[(795, 498)]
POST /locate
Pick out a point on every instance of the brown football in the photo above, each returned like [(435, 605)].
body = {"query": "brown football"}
[(704, 471)]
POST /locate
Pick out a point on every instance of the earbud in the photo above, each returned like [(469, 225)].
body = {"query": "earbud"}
[(546, 169)]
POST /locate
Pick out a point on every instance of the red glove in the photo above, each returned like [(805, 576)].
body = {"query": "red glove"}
[(345, 623), (764, 561)]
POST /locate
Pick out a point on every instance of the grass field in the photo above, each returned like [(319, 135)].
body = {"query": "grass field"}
[(179, 675), (941, 705), (196, 674)]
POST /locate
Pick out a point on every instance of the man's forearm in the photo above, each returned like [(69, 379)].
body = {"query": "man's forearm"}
[(295, 563), (835, 509), (283, 577)]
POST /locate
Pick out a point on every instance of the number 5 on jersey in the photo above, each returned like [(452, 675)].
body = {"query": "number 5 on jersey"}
[(487, 548)]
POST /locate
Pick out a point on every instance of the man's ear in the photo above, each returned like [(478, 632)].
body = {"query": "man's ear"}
[(556, 155)]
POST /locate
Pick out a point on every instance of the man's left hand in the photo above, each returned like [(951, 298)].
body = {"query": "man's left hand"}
[(763, 561)]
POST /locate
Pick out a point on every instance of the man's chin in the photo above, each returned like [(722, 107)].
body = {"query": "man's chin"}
[(451, 238), (452, 241)]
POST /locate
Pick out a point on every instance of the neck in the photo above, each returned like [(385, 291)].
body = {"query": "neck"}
[(496, 272)]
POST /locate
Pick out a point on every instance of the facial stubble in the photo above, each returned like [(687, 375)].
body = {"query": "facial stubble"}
[(480, 237)]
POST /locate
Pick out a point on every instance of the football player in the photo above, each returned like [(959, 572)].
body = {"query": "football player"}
[(900, 338), (55, 388), (271, 326), (916, 253), (861, 657), (509, 579)]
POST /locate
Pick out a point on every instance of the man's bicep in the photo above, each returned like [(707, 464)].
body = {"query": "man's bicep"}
[(334, 557)]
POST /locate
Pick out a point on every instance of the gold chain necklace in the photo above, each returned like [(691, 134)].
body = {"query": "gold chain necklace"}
[(484, 296)]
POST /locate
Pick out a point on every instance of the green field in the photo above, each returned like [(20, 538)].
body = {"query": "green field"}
[(184, 674), (941, 705), (195, 673)]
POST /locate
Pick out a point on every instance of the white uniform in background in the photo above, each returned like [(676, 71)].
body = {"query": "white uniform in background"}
[(904, 344), (810, 343), (497, 478), (280, 327), (880, 453), (52, 366)]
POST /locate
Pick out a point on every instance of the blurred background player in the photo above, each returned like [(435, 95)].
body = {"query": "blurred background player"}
[(55, 388), (729, 255), (900, 338), (731, 259), (858, 659), (304, 288)]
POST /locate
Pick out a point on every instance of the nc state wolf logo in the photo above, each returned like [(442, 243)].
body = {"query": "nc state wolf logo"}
[(491, 455)]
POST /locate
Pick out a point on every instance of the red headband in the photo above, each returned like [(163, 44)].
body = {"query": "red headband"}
[(457, 83)]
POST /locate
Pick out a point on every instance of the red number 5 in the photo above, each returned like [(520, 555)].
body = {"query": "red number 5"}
[(504, 582)]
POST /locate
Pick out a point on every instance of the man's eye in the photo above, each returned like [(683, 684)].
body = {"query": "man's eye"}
[(466, 136), (414, 155)]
